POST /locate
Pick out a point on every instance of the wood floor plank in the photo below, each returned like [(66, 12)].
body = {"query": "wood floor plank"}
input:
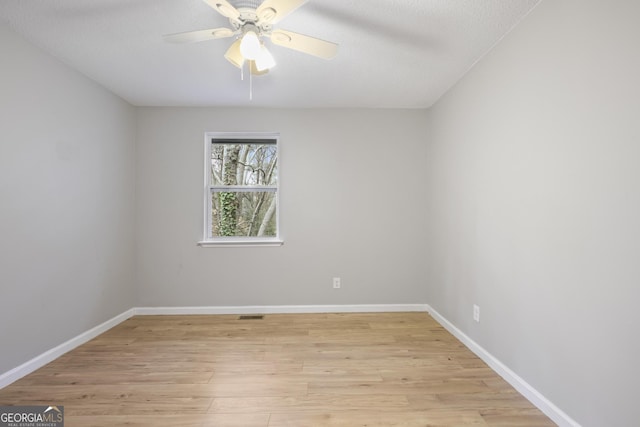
[(157, 420), (327, 369), (515, 418), (434, 418), (309, 403), (404, 388)]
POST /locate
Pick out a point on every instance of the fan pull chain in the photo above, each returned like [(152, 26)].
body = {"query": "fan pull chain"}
[(250, 85)]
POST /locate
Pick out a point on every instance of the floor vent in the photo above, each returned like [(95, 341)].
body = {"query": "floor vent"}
[(252, 317)]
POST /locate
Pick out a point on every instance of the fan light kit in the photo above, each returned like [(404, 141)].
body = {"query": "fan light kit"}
[(250, 22)]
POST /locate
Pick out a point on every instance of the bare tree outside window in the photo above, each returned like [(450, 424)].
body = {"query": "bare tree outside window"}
[(243, 184)]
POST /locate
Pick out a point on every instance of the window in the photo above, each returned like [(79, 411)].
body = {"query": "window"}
[(241, 189)]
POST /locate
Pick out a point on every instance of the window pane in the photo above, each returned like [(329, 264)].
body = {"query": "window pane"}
[(244, 164), (243, 213)]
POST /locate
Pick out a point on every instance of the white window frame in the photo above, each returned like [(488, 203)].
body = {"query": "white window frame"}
[(212, 241)]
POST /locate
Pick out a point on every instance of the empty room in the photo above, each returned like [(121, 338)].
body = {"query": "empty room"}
[(319, 213)]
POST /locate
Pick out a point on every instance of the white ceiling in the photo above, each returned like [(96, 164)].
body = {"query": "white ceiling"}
[(393, 53)]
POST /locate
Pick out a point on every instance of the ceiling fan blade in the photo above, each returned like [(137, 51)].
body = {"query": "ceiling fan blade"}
[(224, 8), (198, 36), (306, 44), (272, 11)]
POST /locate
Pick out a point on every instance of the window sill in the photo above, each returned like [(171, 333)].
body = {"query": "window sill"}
[(244, 243)]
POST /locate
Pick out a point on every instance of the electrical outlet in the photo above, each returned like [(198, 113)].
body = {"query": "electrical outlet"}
[(336, 283), (476, 313)]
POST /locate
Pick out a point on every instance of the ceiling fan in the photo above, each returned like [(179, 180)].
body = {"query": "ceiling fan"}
[(251, 20)]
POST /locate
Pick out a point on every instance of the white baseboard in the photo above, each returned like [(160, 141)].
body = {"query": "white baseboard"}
[(524, 388), (282, 309), (52, 354)]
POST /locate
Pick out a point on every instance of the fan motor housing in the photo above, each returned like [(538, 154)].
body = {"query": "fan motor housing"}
[(250, 17)]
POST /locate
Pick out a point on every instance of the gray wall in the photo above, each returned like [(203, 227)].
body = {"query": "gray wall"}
[(518, 191), (534, 207), (351, 206), (67, 156)]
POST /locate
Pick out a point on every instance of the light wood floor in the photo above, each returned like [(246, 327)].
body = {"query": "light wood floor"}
[(373, 369)]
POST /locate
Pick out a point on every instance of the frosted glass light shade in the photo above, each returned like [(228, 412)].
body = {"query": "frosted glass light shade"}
[(234, 55), (250, 45), (265, 60)]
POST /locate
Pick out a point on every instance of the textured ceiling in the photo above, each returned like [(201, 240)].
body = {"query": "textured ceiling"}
[(393, 53)]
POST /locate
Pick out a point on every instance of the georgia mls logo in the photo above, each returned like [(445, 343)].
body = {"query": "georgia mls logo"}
[(31, 416)]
